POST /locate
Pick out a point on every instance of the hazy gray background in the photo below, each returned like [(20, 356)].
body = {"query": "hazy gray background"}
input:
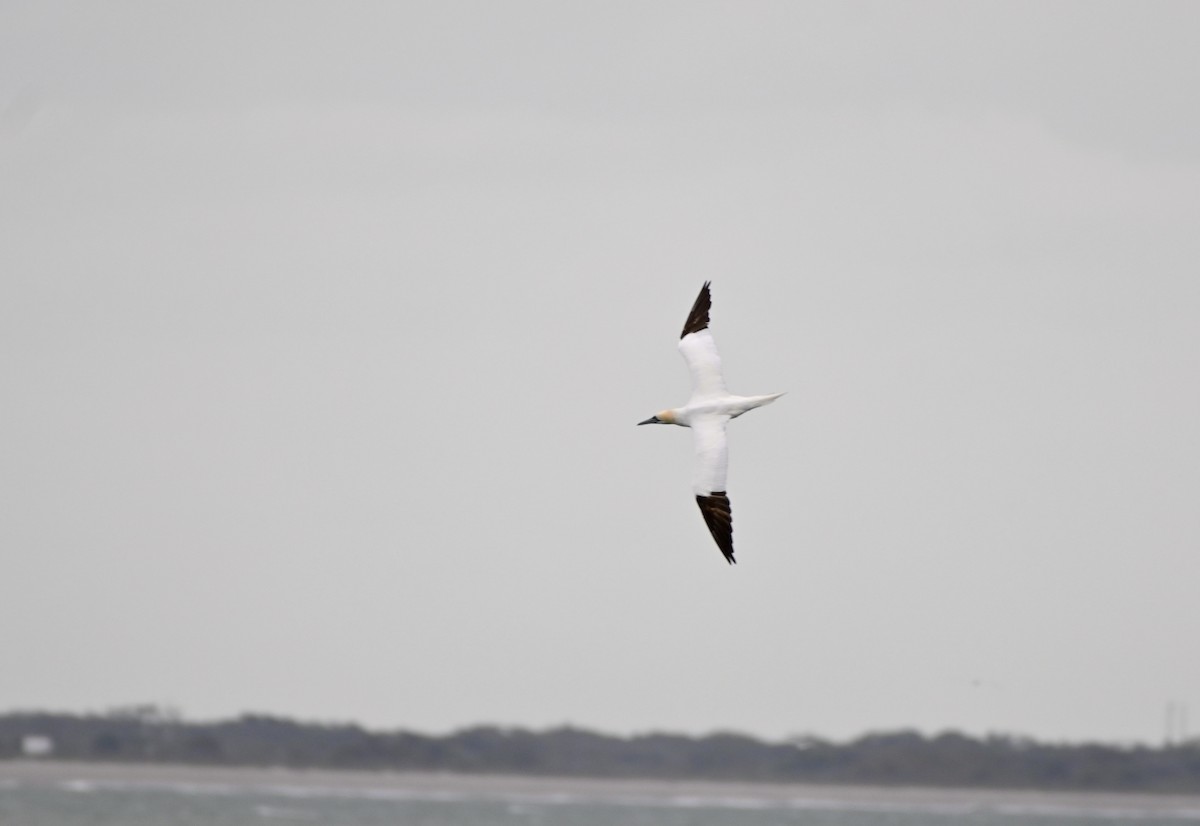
[(324, 330)]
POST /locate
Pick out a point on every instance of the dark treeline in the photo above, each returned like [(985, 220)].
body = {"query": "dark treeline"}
[(899, 758)]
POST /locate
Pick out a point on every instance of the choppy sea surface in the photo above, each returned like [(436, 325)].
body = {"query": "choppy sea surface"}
[(35, 793)]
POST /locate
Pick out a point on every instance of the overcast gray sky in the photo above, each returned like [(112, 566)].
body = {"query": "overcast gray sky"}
[(324, 329)]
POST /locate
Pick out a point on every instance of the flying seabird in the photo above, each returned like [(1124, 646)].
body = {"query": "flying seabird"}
[(707, 412)]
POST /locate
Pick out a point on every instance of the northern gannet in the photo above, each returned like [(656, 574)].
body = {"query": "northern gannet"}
[(706, 413)]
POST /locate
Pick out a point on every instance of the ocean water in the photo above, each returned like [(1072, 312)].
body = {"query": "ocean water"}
[(65, 794)]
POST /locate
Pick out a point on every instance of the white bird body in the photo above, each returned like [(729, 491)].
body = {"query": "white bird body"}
[(707, 413), (728, 406)]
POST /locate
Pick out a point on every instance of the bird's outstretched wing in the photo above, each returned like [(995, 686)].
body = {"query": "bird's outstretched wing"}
[(712, 459), (700, 350)]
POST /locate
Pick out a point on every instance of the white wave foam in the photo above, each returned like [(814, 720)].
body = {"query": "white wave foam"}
[(278, 813), (1067, 809)]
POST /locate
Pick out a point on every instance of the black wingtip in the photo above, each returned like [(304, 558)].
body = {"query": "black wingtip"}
[(718, 515), (697, 319)]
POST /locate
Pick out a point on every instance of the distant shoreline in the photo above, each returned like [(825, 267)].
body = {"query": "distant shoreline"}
[(885, 760)]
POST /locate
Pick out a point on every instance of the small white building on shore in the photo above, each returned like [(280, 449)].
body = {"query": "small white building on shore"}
[(37, 745)]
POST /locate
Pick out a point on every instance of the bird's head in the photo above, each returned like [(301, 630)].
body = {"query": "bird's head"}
[(661, 417)]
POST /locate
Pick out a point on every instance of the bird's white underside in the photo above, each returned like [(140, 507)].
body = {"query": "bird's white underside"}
[(709, 409), (708, 426)]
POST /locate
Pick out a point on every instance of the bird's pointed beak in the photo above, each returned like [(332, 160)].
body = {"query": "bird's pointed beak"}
[(651, 420)]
